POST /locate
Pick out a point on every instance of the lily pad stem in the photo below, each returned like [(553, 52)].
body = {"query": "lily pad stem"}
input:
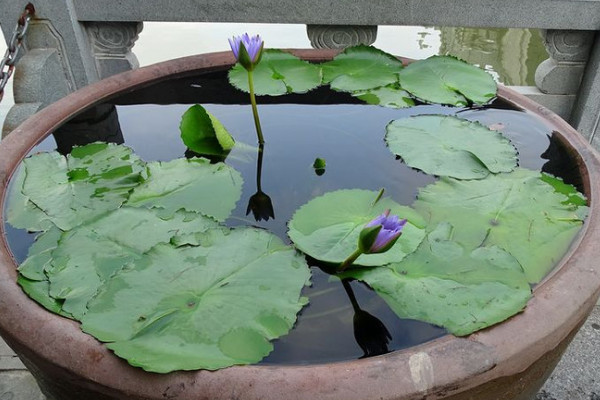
[(254, 109), (349, 260)]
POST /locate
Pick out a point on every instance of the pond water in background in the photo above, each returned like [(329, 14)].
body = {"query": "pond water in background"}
[(510, 55), (298, 129)]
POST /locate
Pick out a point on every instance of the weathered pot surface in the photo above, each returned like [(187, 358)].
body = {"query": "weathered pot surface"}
[(508, 361)]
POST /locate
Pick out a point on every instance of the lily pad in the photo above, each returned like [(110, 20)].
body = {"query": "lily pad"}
[(32, 276), (450, 146), (67, 191), (361, 68), (20, 211), (203, 133), (517, 212), (392, 96), (327, 227), (194, 185), (40, 255), (201, 307), (90, 254), (573, 196), (448, 80), (278, 73), (444, 284)]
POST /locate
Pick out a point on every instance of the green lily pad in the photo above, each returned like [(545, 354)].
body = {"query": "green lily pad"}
[(278, 73), (201, 307), (392, 96), (450, 146), (448, 80), (39, 255), (444, 284), (573, 196), (361, 68), (32, 276), (517, 212), (327, 227), (90, 254), (38, 291), (20, 211), (194, 185), (203, 133), (67, 191)]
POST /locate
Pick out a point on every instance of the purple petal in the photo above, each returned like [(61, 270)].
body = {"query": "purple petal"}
[(391, 229), (234, 43)]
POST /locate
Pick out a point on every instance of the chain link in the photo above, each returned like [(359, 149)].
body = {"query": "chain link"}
[(7, 64)]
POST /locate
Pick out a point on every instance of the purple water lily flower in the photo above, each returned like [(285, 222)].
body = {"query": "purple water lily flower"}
[(391, 229), (246, 49)]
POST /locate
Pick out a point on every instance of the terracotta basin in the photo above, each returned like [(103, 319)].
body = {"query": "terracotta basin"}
[(508, 361)]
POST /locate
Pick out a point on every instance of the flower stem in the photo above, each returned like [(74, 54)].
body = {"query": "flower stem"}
[(349, 260), (254, 109)]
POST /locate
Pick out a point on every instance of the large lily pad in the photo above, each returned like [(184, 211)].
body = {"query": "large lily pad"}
[(447, 80), (201, 306), (361, 68), (450, 146), (518, 212), (391, 96), (327, 227), (90, 254), (444, 284), (194, 185), (278, 73), (66, 191)]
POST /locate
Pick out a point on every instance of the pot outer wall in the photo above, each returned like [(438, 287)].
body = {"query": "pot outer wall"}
[(508, 361)]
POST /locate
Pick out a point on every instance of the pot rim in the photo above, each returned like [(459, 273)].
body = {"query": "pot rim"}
[(560, 303)]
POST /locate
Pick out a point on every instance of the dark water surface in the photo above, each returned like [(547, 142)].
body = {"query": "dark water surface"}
[(297, 130)]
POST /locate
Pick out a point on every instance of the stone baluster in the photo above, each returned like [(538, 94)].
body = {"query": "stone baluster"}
[(62, 54), (111, 44), (559, 77), (340, 36), (569, 51), (586, 112)]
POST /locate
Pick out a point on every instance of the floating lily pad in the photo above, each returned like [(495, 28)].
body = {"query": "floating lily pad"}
[(448, 80), (90, 254), (20, 211), (391, 96), (327, 227), (194, 185), (517, 212), (278, 73), (361, 68), (67, 191), (201, 307), (203, 133), (444, 284), (450, 146), (32, 276), (573, 196)]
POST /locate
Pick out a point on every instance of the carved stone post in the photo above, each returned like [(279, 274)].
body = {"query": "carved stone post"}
[(340, 36), (111, 45), (569, 51), (62, 54), (586, 112)]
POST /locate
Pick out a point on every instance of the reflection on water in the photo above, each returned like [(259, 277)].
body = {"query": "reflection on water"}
[(511, 55)]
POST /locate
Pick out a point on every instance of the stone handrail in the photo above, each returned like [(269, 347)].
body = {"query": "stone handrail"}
[(72, 43)]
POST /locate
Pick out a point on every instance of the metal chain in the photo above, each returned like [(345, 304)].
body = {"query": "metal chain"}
[(7, 64)]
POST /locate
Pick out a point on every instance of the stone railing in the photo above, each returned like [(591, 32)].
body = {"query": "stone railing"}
[(72, 43)]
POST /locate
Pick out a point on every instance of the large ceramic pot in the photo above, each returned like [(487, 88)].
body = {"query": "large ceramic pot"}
[(508, 361)]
